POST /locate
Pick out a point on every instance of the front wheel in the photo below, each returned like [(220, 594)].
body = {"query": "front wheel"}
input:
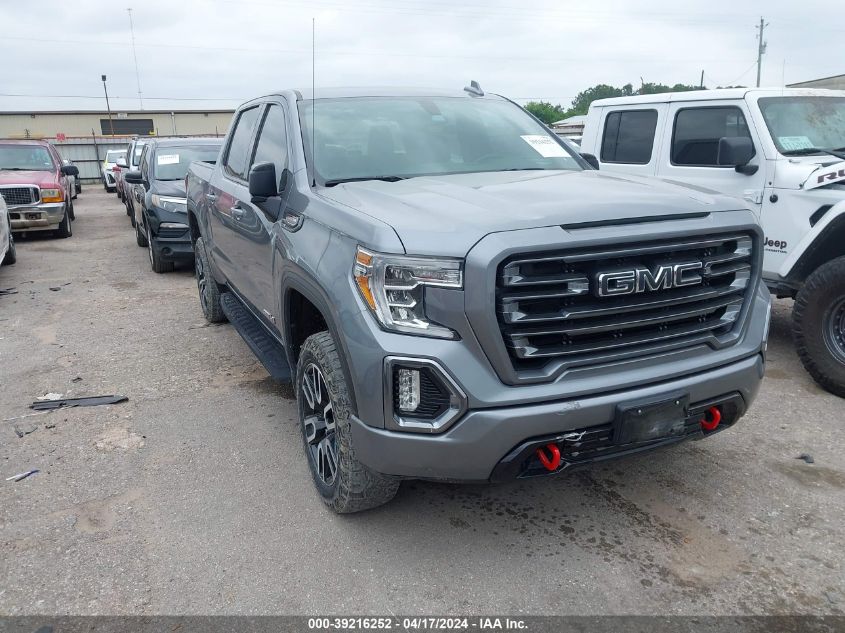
[(209, 291), (65, 229), (157, 264), (11, 254), (818, 325), (345, 484)]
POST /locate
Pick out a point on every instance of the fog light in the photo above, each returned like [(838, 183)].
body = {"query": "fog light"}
[(409, 389)]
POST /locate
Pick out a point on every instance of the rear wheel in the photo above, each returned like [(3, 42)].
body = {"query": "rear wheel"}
[(345, 484), (818, 325), (209, 291), (65, 229), (11, 254)]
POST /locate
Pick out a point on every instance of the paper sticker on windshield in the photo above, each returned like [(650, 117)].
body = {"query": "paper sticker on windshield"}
[(544, 145), (789, 143), (167, 159)]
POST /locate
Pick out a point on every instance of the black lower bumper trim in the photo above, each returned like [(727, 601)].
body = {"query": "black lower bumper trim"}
[(597, 443)]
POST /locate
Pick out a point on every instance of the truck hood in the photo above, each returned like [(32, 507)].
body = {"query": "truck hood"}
[(809, 172), (175, 188), (40, 178), (447, 215)]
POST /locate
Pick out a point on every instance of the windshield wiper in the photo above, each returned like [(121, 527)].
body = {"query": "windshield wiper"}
[(338, 181), (806, 151)]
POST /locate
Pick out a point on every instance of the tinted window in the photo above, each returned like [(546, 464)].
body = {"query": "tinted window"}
[(629, 136), (171, 163), (272, 141), (238, 154), (143, 127), (695, 140)]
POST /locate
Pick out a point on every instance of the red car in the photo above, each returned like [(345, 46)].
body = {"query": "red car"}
[(35, 185)]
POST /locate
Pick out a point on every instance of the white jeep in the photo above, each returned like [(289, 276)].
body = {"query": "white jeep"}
[(782, 152)]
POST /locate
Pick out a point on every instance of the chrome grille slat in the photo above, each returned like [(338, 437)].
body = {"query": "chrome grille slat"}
[(548, 308), (19, 195)]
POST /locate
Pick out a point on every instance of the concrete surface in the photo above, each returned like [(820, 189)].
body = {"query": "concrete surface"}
[(195, 497)]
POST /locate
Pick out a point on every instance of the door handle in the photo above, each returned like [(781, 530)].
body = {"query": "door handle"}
[(237, 212), (211, 196)]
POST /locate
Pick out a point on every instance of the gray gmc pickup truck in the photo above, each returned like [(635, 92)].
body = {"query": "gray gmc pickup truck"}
[(456, 294)]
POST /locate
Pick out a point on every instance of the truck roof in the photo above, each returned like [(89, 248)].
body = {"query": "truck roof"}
[(721, 93), (381, 91)]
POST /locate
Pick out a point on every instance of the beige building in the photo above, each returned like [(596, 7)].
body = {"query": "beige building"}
[(837, 82), (70, 124)]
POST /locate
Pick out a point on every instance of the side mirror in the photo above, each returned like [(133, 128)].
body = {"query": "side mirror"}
[(263, 183), (122, 164), (736, 152), (70, 170), (133, 177), (591, 159)]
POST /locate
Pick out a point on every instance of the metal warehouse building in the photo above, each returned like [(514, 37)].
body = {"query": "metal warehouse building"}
[(62, 124)]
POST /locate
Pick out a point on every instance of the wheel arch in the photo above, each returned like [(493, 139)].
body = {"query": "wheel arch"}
[(302, 301)]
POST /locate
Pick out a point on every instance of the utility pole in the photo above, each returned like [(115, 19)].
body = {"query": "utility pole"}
[(701, 83), (761, 48), (108, 107), (135, 56)]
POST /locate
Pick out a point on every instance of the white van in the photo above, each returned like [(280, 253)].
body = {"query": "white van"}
[(782, 152)]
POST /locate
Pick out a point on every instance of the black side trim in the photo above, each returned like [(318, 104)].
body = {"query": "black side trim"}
[(819, 214), (640, 220), (263, 345)]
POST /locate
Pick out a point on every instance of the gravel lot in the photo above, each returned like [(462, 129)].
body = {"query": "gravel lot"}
[(194, 497)]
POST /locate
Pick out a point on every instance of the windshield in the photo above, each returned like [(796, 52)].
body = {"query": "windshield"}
[(25, 158), (171, 163), (402, 137), (112, 156), (802, 123)]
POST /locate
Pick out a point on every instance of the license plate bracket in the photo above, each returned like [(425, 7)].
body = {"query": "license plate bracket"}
[(651, 420)]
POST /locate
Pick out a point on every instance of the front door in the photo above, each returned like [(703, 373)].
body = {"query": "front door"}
[(692, 144)]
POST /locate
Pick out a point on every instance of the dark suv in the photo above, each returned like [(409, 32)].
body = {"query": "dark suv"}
[(159, 188)]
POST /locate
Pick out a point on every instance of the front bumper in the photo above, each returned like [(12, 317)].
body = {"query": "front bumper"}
[(41, 217), (170, 244), (477, 446)]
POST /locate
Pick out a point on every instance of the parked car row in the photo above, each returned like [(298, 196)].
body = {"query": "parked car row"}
[(38, 188), (154, 195)]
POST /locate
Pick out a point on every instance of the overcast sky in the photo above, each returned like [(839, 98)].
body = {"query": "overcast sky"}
[(202, 53)]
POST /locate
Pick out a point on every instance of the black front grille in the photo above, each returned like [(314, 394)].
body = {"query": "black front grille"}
[(549, 306), (16, 196)]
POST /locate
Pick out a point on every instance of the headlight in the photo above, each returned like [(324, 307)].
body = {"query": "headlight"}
[(393, 286), (170, 203), (52, 195)]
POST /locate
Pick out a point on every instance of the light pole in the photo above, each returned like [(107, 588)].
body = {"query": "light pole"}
[(108, 107)]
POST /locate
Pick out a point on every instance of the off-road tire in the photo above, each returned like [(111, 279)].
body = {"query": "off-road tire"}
[(209, 291), (140, 237), (157, 264), (355, 487), (65, 229), (823, 291), (12, 253)]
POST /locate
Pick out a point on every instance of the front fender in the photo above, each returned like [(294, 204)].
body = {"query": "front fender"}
[(832, 222)]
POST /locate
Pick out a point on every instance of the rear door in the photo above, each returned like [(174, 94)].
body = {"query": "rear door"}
[(691, 147), (228, 185), (629, 138)]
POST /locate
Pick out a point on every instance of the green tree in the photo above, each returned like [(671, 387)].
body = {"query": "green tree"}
[(546, 112), (581, 103)]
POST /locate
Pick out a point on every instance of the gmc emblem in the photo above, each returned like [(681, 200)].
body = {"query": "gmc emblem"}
[(629, 282)]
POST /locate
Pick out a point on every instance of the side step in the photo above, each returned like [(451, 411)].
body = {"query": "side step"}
[(263, 345)]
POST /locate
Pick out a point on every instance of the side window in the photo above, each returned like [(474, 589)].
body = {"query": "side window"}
[(273, 141), (237, 156), (629, 136), (145, 162), (695, 139)]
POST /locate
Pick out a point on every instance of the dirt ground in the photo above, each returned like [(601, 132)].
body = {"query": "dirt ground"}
[(194, 497)]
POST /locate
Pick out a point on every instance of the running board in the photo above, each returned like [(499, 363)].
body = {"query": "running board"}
[(268, 350)]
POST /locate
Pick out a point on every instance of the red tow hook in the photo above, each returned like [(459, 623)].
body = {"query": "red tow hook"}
[(711, 419), (549, 463)]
